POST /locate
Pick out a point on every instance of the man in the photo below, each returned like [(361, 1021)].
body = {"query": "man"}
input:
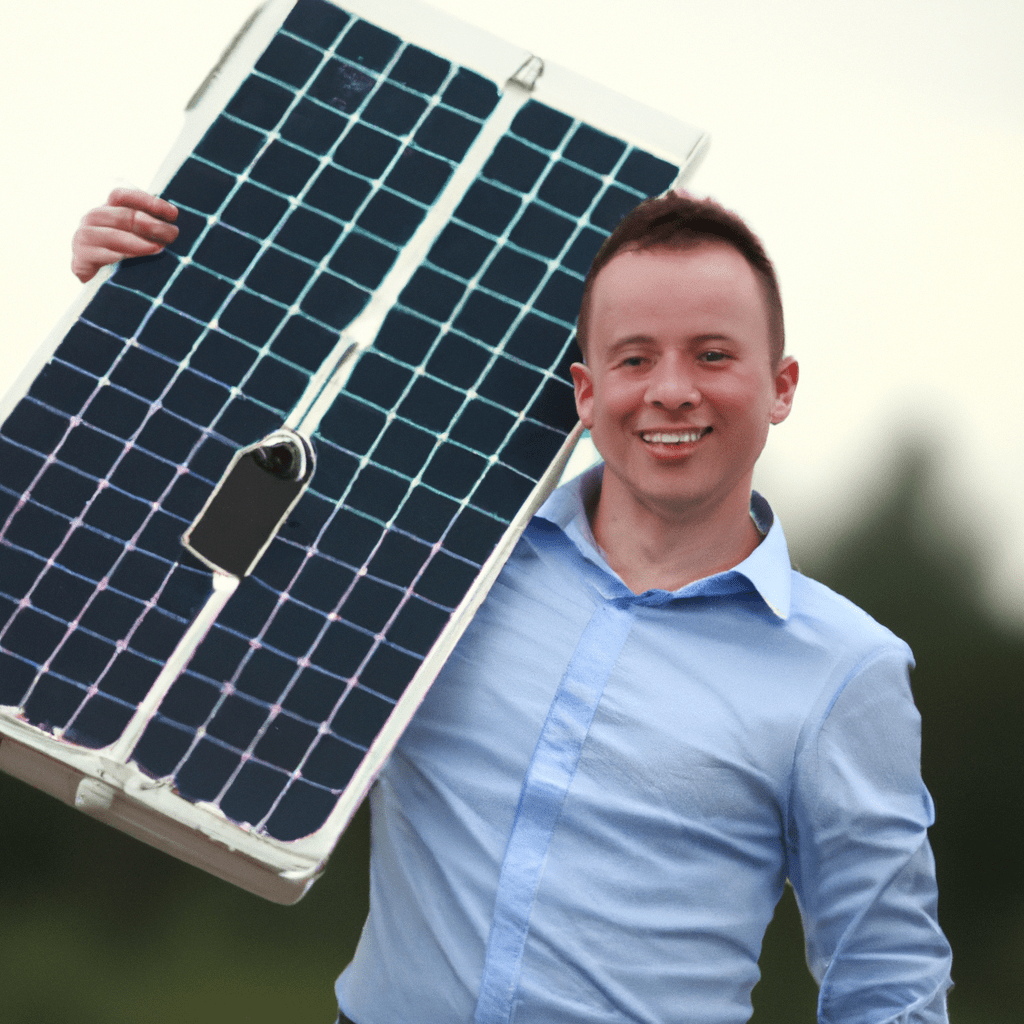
[(652, 722)]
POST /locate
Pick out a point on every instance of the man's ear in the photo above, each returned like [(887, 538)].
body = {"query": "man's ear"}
[(787, 374), (583, 385)]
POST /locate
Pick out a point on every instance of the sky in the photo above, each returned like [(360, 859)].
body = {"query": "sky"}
[(877, 146)]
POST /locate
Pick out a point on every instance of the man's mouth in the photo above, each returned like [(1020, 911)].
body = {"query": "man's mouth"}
[(673, 437)]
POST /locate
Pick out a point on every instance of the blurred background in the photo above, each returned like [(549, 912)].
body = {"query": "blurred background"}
[(878, 148)]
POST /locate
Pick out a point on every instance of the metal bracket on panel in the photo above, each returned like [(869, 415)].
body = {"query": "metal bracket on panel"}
[(526, 77), (93, 795)]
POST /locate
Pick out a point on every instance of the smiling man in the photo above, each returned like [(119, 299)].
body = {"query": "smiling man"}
[(653, 721)]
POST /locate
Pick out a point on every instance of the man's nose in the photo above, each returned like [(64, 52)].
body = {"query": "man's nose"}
[(672, 386)]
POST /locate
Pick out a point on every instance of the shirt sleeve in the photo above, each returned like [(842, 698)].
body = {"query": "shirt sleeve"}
[(860, 861)]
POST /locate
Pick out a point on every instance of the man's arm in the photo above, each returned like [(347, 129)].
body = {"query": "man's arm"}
[(860, 861), (131, 223)]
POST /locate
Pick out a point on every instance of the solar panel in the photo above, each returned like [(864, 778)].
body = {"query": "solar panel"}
[(261, 481)]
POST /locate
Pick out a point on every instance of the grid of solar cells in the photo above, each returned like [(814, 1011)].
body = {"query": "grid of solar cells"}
[(428, 453), (292, 207)]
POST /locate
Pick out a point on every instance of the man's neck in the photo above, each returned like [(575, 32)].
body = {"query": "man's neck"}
[(667, 549)]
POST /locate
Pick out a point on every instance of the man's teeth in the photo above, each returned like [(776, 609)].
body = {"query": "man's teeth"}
[(685, 436)]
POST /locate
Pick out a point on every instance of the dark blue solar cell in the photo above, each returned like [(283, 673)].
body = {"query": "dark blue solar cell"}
[(542, 231), (229, 144), (513, 274), (540, 124), (294, 629), (430, 404), (303, 342), (458, 361), (88, 348), (351, 424), (417, 626), (406, 336), (82, 657), (561, 296), (147, 274), (253, 792), (308, 234), (139, 574), (34, 635), (313, 127), (398, 559), (370, 604), (112, 615), (161, 536), (334, 471), (187, 588), (418, 175), (341, 86), (211, 458), (170, 333), (63, 490), (433, 294), (195, 397), (594, 149), (341, 649), (53, 701), (288, 60), (198, 293), (514, 164), (333, 301), (115, 411), (537, 340), (62, 387), (378, 380), (222, 358), (420, 70), (116, 310), (88, 554), (58, 592), (114, 513), (531, 449), (394, 109), (130, 677), (360, 716), (389, 671), (99, 723), (199, 186), (266, 674), (583, 250), (446, 133), (37, 529), (245, 422), (426, 515), (337, 192), (510, 384), (460, 250), (314, 694), (164, 435), (206, 771), (322, 583), (220, 654), (8, 502), (502, 492), (370, 46), (142, 373), (250, 318), (161, 747), (279, 275), (249, 608), (157, 635), (332, 763), (301, 811), (15, 679), (187, 496), (453, 470), (316, 20), (486, 317), (284, 168), (35, 427), (377, 492), (190, 700), (555, 406), (237, 721), (612, 207), (568, 189), (21, 466), (647, 174), (280, 561), (226, 251), (472, 93), (260, 102), (391, 217), (190, 226), (488, 208), (482, 427), (363, 259), (255, 210), (404, 448)]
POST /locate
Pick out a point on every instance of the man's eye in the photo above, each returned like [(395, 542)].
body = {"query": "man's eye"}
[(713, 357), (633, 361)]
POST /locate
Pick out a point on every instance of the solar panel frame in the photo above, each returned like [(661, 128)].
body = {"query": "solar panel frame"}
[(547, 165)]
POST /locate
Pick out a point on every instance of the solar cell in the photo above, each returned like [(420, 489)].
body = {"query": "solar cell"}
[(264, 478)]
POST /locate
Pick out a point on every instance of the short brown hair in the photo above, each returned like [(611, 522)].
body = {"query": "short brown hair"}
[(677, 220)]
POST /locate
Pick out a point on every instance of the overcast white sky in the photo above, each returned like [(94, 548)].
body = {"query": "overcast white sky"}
[(876, 145)]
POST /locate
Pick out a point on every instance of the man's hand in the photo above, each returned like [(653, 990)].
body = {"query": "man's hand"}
[(133, 223)]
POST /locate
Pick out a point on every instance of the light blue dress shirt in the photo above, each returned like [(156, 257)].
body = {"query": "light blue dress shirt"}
[(593, 814)]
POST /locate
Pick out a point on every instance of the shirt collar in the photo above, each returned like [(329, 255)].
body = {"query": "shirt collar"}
[(767, 568)]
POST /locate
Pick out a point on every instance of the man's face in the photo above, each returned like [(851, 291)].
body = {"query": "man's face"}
[(678, 390)]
